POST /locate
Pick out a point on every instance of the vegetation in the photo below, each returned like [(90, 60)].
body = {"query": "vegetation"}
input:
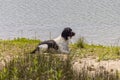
[(82, 49), (25, 66)]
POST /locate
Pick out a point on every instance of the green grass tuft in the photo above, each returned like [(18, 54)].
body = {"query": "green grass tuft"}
[(80, 43)]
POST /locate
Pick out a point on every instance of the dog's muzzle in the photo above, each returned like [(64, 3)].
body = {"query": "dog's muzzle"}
[(72, 34)]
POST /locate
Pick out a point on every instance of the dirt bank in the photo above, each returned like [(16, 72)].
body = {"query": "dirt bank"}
[(93, 65)]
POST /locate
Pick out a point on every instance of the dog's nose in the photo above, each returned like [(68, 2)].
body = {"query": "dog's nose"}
[(73, 34)]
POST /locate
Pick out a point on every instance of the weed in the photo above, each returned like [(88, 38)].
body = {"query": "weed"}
[(81, 42)]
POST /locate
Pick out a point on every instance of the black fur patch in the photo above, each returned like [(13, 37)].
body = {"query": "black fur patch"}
[(50, 43)]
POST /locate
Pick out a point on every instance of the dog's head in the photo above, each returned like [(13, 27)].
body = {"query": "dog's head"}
[(67, 33)]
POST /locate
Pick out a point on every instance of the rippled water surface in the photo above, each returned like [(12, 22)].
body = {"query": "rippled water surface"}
[(97, 20)]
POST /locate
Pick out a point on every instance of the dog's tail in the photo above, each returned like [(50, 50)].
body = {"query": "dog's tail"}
[(35, 50)]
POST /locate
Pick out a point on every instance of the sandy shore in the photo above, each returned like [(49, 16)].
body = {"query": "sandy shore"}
[(93, 65)]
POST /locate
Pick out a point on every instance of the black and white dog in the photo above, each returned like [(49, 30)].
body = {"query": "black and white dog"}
[(59, 44)]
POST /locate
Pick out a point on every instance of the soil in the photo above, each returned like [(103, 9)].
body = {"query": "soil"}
[(92, 65)]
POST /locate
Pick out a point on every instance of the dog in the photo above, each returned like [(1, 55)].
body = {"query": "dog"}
[(59, 44)]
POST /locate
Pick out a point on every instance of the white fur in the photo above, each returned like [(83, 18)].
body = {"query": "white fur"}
[(63, 44), (43, 47)]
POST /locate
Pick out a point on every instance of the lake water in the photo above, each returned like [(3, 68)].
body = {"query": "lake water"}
[(96, 20)]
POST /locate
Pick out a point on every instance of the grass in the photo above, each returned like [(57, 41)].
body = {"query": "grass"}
[(49, 66), (17, 46), (82, 49), (36, 67)]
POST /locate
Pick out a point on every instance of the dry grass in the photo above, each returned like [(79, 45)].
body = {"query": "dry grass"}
[(24, 66)]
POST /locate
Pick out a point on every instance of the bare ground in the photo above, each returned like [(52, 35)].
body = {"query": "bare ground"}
[(89, 63), (93, 65)]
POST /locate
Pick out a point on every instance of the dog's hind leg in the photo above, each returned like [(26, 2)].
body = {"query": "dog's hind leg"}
[(36, 50), (40, 48)]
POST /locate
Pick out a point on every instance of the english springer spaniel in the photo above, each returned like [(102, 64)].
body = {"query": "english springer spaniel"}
[(59, 44)]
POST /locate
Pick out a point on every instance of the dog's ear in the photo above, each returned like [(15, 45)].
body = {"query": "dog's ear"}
[(64, 35), (66, 32)]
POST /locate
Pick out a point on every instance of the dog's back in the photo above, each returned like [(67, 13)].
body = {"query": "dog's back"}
[(46, 45)]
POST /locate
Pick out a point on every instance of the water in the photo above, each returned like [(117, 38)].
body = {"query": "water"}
[(97, 20)]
